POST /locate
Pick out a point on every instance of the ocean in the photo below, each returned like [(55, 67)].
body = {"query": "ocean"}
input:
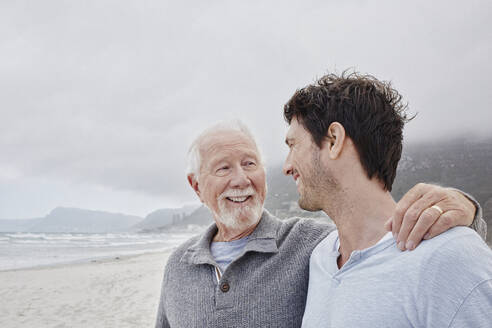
[(20, 250)]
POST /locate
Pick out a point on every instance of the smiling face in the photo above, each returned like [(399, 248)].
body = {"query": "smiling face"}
[(232, 179), (304, 163)]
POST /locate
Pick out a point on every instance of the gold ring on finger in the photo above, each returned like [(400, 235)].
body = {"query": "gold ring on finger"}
[(437, 208)]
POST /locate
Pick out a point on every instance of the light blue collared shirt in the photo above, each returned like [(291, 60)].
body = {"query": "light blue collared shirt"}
[(224, 252), (445, 282)]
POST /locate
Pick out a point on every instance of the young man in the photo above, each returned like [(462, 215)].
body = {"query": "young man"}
[(345, 141)]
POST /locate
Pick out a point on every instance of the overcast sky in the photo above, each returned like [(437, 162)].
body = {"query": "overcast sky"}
[(99, 100)]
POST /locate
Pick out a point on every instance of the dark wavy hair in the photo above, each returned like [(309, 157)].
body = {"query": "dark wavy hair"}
[(371, 111)]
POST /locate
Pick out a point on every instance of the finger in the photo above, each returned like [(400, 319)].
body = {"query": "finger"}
[(410, 220), (424, 222), (432, 196), (445, 221), (402, 206), (387, 224)]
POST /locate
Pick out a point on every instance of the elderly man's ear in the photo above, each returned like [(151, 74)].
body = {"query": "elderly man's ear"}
[(194, 184)]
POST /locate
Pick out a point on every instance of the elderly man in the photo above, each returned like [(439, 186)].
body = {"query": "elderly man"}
[(345, 141), (249, 269)]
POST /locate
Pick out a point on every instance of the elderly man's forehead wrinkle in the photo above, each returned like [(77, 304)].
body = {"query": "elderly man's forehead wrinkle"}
[(223, 143), (214, 148)]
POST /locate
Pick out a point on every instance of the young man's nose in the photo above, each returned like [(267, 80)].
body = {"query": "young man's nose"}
[(287, 168)]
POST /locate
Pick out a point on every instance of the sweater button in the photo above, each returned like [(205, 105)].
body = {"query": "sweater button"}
[(224, 287)]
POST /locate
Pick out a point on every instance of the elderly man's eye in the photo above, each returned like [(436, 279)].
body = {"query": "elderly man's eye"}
[(250, 163), (223, 168)]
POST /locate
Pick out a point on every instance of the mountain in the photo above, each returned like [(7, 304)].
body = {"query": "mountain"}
[(164, 217), (459, 163), (201, 216), (63, 219), (75, 220)]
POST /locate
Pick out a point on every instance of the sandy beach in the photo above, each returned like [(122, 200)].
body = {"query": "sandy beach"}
[(120, 292)]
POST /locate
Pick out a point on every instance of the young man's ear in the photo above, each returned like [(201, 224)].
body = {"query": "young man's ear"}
[(335, 139), (194, 183)]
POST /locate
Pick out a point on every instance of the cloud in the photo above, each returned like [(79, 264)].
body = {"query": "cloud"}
[(111, 93)]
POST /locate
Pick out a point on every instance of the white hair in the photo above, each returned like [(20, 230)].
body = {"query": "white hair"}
[(194, 155)]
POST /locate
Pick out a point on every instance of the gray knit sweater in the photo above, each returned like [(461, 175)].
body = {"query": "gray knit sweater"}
[(265, 287)]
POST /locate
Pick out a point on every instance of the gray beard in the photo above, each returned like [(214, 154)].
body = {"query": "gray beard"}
[(230, 218)]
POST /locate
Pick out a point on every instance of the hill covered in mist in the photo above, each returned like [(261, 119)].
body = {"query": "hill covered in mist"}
[(456, 163)]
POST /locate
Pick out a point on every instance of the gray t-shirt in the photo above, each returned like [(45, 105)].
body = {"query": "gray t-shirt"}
[(224, 252), (445, 282)]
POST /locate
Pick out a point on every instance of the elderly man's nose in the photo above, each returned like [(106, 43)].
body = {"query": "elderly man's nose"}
[(240, 179)]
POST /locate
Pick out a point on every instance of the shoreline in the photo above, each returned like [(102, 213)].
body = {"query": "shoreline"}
[(97, 259), (107, 292)]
